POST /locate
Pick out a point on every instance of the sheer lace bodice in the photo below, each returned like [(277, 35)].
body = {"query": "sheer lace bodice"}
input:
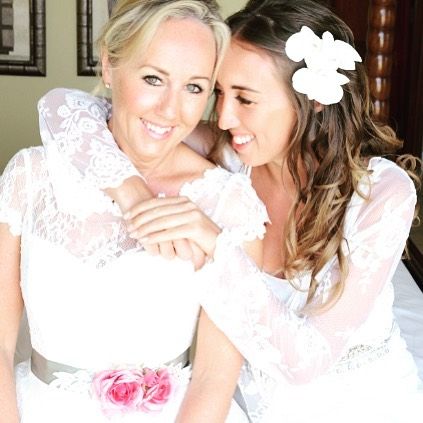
[(79, 259), (284, 347), (94, 298)]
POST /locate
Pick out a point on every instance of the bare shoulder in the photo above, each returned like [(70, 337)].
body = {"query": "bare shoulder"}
[(201, 139), (192, 164)]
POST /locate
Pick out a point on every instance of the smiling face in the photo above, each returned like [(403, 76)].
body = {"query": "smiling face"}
[(253, 105), (159, 95)]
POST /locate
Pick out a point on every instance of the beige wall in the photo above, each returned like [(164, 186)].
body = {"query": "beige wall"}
[(19, 95)]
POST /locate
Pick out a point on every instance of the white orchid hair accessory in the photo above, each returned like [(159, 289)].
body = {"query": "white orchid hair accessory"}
[(319, 80)]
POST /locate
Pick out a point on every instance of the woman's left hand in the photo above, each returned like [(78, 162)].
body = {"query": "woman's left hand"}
[(169, 219)]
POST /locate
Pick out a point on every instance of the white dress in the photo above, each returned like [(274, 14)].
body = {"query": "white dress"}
[(348, 364), (94, 299)]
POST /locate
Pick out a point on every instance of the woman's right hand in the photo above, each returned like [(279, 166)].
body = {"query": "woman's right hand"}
[(134, 191), (173, 219)]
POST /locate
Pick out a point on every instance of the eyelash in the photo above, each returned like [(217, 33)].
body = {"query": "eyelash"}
[(150, 78), (197, 89), (155, 81), (244, 101), (218, 92)]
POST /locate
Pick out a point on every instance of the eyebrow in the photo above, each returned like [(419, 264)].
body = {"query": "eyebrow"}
[(240, 88), (167, 73)]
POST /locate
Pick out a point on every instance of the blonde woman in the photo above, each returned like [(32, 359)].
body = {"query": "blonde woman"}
[(110, 324)]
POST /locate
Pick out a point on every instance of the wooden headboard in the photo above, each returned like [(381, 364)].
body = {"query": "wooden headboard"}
[(373, 25), (379, 55)]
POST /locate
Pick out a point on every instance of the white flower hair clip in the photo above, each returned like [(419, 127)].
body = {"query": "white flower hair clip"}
[(320, 80)]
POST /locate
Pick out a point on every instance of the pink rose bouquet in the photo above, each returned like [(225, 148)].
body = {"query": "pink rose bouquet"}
[(157, 389), (132, 389)]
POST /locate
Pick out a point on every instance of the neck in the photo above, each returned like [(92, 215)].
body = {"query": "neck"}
[(149, 167), (155, 168)]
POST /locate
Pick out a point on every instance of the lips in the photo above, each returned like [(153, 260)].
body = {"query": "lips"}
[(240, 142), (242, 139), (156, 131)]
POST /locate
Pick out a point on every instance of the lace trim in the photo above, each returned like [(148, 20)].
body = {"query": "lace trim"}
[(361, 355), (251, 224), (13, 220)]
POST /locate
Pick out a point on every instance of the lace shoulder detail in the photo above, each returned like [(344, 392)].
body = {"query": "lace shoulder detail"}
[(14, 192), (231, 202), (74, 125)]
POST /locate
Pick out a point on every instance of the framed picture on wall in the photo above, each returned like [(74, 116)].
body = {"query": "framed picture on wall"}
[(91, 16), (22, 37)]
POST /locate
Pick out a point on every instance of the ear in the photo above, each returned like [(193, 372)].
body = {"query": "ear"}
[(106, 69), (318, 107)]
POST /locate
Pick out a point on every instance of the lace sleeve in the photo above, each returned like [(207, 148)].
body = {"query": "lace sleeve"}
[(231, 202), (285, 344), (14, 193), (74, 124)]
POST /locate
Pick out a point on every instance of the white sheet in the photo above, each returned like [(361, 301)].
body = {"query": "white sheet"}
[(408, 310)]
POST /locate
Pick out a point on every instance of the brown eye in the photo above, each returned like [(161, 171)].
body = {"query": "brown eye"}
[(243, 100)]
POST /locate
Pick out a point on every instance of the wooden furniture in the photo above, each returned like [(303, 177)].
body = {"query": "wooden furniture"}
[(380, 54), (389, 34)]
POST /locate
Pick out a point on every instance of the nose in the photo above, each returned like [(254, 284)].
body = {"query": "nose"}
[(169, 105), (227, 117)]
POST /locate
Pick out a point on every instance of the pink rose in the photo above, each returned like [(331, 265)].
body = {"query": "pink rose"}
[(119, 390), (157, 389)]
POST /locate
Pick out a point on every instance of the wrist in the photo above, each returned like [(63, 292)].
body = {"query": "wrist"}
[(131, 192)]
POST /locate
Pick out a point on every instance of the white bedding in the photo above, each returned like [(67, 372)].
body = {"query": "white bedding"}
[(408, 310)]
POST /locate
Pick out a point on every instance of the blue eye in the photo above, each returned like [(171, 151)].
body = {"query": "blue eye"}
[(152, 80), (194, 89)]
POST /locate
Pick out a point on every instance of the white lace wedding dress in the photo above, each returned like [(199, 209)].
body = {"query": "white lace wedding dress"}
[(348, 364), (94, 299)]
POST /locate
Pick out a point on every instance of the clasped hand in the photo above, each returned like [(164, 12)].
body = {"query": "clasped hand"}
[(173, 226)]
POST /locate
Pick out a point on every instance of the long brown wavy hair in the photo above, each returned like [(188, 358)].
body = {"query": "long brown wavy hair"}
[(334, 144)]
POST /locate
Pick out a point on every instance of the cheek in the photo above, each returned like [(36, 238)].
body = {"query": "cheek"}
[(133, 97), (278, 127), (193, 109)]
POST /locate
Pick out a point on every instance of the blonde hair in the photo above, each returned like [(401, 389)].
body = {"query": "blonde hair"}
[(133, 24)]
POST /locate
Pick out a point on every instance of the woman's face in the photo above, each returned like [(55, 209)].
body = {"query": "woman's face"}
[(159, 95), (253, 105)]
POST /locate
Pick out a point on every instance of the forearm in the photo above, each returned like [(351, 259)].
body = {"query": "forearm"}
[(8, 405), (217, 365), (207, 400)]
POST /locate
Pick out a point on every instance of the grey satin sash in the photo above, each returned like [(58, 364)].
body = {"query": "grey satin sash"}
[(44, 369)]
